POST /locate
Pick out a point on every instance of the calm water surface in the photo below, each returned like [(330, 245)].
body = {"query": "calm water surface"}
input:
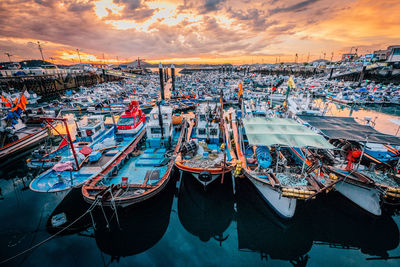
[(186, 226)]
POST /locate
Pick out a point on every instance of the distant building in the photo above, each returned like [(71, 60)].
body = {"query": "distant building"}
[(380, 55), (366, 58), (394, 54), (319, 63), (349, 56)]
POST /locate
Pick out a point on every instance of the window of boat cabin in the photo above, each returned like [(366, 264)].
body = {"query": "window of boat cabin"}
[(126, 121), (202, 131), (213, 131), (155, 130), (97, 128), (136, 119), (202, 117)]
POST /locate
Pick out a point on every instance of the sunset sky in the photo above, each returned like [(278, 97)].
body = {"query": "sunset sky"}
[(195, 31)]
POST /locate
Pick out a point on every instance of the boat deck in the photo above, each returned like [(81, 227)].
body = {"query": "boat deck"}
[(147, 169), (27, 130)]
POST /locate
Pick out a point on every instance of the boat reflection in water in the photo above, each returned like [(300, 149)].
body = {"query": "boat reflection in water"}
[(70, 208), (320, 223), (140, 227), (206, 213)]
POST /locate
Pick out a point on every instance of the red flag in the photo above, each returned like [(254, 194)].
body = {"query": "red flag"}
[(21, 106), (374, 89), (6, 102), (63, 143), (23, 99), (240, 93)]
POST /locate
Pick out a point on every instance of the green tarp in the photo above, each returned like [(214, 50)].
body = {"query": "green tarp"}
[(284, 132)]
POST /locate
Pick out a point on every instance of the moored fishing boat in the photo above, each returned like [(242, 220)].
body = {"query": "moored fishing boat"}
[(89, 131), (90, 160), (203, 153), (263, 146), (140, 171), (366, 160), (15, 135)]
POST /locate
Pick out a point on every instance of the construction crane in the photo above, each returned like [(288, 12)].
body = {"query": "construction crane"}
[(40, 50), (79, 56), (351, 49), (9, 56)]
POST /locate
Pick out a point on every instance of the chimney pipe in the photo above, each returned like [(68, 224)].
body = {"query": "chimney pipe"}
[(160, 70), (173, 76)]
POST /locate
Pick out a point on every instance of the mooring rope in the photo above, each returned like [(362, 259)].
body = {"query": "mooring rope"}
[(51, 237)]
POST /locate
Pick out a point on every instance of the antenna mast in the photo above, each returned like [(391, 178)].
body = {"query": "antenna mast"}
[(79, 55), (41, 50), (9, 56)]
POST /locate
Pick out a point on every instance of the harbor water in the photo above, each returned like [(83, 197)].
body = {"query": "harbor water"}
[(226, 225)]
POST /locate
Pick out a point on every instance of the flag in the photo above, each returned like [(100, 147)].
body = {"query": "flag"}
[(291, 83), (254, 75), (374, 89), (21, 105), (6, 102), (23, 99), (240, 93), (63, 143)]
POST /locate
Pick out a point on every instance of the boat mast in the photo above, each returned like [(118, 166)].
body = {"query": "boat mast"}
[(47, 120)]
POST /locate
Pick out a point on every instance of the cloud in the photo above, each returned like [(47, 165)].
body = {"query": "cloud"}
[(300, 6), (132, 10), (211, 5), (253, 17), (202, 6)]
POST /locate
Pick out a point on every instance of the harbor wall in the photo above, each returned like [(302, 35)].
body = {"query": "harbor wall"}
[(287, 72), (372, 76), (51, 85)]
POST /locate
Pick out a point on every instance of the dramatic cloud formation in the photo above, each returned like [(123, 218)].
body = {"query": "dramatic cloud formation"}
[(214, 31)]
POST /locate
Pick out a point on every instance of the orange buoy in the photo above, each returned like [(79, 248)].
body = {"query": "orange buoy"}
[(176, 119)]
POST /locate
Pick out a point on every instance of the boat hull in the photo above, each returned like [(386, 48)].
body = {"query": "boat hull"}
[(10, 151), (213, 177), (283, 206), (210, 175), (366, 198), (129, 201)]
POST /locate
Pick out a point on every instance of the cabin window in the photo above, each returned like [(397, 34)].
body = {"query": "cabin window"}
[(97, 128), (165, 116), (126, 121), (136, 119), (202, 117), (155, 130), (213, 131), (202, 131)]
